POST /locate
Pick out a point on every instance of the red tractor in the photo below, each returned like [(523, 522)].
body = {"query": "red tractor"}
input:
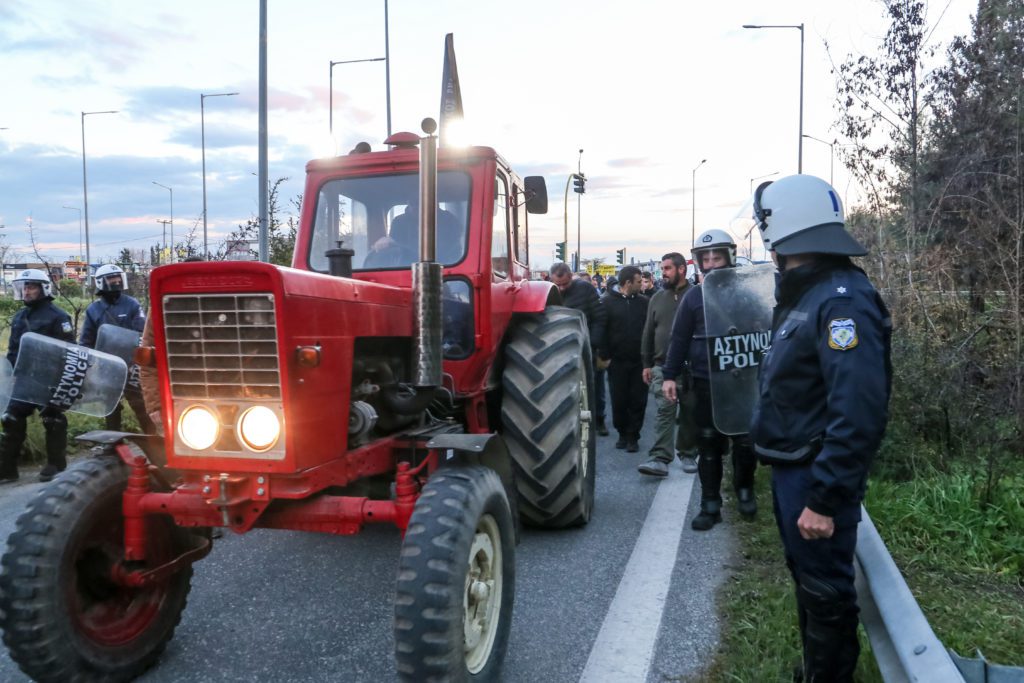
[(404, 370)]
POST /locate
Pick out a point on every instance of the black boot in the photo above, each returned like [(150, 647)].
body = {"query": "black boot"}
[(10, 449), (709, 469), (710, 515), (56, 446), (746, 502), (602, 430), (743, 466), (831, 647)]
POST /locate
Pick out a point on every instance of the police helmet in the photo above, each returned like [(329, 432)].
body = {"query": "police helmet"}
[(106, 273), (31, 275), (710, 240), (802, 214)]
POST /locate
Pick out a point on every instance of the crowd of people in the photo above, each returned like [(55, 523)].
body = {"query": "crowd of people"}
[(821, 406)]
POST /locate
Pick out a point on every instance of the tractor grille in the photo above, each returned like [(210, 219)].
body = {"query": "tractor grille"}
[(222, 346)]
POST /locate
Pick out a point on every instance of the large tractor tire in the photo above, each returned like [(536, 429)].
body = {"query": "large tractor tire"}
[(63, 617), (546, 409), (456, 580)]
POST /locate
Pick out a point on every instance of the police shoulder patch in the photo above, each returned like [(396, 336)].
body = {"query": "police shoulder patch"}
[(65, 327), (842, 334)]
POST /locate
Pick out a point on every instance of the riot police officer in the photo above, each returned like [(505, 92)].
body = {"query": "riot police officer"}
[(822, 408), (114, 307), (714, 249), (41, 316)]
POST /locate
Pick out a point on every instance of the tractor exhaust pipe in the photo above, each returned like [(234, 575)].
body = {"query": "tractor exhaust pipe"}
[(426, 274)]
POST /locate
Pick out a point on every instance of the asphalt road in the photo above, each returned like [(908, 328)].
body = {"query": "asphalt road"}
[(629, 597)]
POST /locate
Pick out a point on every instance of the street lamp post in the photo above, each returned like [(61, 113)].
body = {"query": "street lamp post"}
[(579, 220), (172, 216), (75, 208), (330, 115), (800, 139), (693, 203), (831, 157), (202, 125), (85, 188)]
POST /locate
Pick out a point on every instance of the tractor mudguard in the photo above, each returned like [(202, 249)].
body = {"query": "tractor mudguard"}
[(536, 295), (489, 450)]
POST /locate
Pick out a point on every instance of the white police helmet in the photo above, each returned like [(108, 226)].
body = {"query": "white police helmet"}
[(802, 214), (31, 275), (714, 239), (105, 273)]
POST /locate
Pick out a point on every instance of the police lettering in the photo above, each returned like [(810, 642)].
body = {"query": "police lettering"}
[(69, 388), (739, 351)]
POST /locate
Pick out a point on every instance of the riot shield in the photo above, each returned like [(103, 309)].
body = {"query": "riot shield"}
[(738, 306), (121, 342), (6, 382), (53, 372)]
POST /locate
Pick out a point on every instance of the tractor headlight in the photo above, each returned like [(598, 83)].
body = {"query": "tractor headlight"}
[(199, 427), (259, 428)]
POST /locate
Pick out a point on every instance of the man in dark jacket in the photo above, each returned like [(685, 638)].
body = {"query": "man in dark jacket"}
[(675, 429), (583, 297), (114, 307), (41, 316), (627, 311), (822, 410)]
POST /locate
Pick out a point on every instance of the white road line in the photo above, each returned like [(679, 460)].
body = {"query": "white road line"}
[(625, 644)]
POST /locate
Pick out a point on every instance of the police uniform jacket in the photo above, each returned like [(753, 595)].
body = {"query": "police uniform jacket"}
[(825, 382), (688, 345), (42, 317), (124, 311)]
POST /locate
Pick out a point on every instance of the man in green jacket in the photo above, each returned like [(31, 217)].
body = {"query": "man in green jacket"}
[(675, 429)]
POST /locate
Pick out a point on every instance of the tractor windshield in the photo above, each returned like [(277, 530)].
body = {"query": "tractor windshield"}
[(378, 218)]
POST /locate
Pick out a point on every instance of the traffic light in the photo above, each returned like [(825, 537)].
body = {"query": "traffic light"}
[(578, 182), (560, 251), (620, 256)]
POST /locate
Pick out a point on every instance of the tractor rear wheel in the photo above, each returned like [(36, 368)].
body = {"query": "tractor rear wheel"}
[(63, 617), (456, 579), (546, 409)]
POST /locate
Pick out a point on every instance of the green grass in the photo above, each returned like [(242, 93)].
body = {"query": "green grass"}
[(963, 562)]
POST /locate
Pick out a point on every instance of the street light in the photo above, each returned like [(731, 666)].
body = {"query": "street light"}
[(693, 204), (831, 157), (85, 188), (172, 216), (579, 214), (330, 116), (202, 124), (800, 143), (75, 208)]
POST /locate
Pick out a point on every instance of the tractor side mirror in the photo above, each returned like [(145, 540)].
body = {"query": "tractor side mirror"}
[(536, 194)]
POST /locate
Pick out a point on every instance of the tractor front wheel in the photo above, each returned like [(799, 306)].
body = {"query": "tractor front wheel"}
[(64, 617), (546, 408), (456, 579)]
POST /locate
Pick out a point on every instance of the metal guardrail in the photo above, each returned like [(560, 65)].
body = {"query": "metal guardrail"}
[(904, 644)]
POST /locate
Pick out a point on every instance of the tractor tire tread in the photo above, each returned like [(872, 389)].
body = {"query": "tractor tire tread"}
[(31, 632)]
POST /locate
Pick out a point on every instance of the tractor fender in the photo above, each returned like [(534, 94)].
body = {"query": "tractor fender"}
[(536, 295), (489, 450)]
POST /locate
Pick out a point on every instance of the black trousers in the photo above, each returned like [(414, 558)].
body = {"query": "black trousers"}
[(628, 396)]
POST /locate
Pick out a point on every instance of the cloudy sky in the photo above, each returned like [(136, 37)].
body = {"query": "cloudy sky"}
[(647, 88)]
